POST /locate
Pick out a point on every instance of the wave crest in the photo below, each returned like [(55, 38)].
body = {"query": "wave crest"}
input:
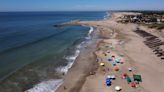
[(46, 86)]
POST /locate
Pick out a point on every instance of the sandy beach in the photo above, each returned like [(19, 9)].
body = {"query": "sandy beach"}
[(113, 39)]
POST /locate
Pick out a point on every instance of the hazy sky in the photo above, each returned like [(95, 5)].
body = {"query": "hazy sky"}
[(76, 5)]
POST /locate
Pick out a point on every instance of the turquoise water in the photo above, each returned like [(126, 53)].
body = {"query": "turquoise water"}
[(31, 48)]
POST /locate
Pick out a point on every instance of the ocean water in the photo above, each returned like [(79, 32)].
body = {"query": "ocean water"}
[(34, 54)]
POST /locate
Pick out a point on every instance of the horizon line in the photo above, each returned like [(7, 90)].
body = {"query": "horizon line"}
[(82, 10)]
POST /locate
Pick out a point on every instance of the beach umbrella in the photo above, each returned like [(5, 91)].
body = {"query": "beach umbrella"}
[(117, 60), (124, 75), (109, 76), (113, 77), (113, 63), (110, 59), (108, 52), (120, 54), (116, 68), (128, 79), (129, 69), (108, 81), (113, 56), (118, 88), (133, 84), (121, 61), (102, 64)]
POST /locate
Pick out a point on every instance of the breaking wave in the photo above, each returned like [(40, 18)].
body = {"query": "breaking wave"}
[(46, 86), (72, 58), (89, 33), (52, 84)]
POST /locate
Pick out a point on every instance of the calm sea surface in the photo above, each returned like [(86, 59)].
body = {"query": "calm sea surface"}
[(31, 48)]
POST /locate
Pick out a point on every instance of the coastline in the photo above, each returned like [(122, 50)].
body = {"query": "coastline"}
[(87, 76), (81, 69), (88, 54), (53, 84)]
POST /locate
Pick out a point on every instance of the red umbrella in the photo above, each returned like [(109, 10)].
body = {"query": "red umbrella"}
[(124, 75)]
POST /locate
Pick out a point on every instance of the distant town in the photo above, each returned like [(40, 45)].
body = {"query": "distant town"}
[(150, 19)]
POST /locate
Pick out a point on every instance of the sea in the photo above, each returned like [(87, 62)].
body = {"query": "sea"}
[(34, 54)]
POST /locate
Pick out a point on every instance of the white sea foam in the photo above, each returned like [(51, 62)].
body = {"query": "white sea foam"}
[(46, 86), (91, 30), (52, 85), (89, 33), (108, 14), (71, 59)]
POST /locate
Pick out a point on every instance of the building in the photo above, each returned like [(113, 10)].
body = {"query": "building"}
[(162, 18)]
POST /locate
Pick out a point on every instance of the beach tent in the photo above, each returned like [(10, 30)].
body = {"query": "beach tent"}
[(137, 77)]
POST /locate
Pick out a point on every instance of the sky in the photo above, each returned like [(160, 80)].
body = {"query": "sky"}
[(80, 5)]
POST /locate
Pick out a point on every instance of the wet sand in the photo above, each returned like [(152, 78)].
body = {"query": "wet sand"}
[(86, 75)]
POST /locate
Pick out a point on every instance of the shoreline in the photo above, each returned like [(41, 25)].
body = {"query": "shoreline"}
[(120, 39), (96, 39), (62, 70), (87, 50)]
